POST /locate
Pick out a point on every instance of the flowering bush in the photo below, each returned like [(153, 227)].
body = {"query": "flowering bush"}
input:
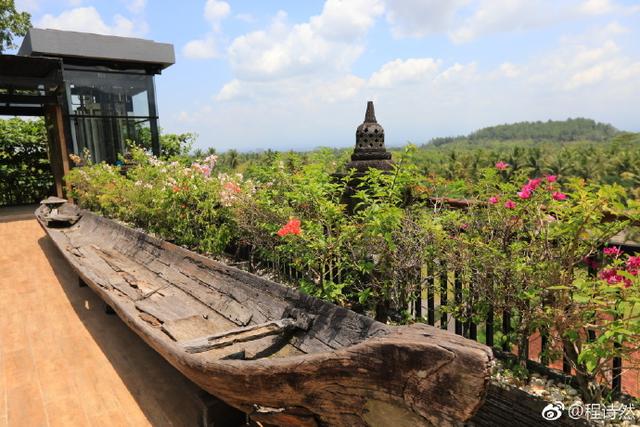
[(525, 258), (180, 203), (523, 247)]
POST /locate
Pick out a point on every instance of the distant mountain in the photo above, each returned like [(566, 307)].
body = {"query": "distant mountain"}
[(578, 129)]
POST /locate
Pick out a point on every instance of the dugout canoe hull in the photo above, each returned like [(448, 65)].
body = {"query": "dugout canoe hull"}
[(281, 356)]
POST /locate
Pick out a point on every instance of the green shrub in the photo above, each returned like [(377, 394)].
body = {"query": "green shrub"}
[(25, 175)]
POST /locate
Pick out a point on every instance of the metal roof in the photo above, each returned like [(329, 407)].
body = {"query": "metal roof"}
[(72, 45), (20, 66), (28, 84)]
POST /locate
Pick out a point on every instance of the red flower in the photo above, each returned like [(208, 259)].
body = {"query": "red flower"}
[(501, 165), (612, 251), (510, 204), (633, 262), (612, 277), (633, 265), (558, 196), (494, 199), (291, 227), (552, 178)]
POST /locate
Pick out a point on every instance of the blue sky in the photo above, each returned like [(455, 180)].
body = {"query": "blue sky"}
[(257, 74)]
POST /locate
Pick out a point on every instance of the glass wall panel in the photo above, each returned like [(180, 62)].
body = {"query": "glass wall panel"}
[(108, 109), (108, 94), (107, 137)]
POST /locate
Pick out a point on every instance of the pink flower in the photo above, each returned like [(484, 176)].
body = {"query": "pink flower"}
[(552, 178), (510, 204), (527, 190), (291, 227), (494, 199), (203, 169), (612, 251), (525, 193), (501, 165), (558, 195), (533, 183), (211, 160)]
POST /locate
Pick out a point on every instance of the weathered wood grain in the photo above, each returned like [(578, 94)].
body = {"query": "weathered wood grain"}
[(238, 335), (345, 369)]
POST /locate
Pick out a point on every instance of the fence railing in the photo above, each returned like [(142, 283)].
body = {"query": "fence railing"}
[(437, 287)]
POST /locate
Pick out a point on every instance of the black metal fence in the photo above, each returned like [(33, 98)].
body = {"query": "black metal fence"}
[(437, 287)]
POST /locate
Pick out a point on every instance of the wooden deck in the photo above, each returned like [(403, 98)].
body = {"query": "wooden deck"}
[(63, 361)]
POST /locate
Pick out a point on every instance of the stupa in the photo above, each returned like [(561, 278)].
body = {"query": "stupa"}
[(370, 151)]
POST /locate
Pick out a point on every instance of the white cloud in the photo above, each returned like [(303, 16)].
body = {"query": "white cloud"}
[(229, 91), (401, 72), (575, 66), (346, 20), (457, 74), (136, 6), (304, 90), (338, 90), (246, 17), (201, 49), (419, 18), (597, 7), (87, 19), (466, 20), (215, 11), (604, 7), (206, 48), (495, 16), (509, 70), (327, 43)]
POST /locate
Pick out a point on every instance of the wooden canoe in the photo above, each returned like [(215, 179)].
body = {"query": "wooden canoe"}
[(281, 356)]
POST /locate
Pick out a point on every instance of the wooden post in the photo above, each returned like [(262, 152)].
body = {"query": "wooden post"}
[(58, 154), (444, 290), (431, 289), (457, 298)]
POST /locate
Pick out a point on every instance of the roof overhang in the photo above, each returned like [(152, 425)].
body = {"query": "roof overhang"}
[(28, 85), (87, 47)]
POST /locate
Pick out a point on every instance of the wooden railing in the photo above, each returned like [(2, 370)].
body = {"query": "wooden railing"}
[(437, 287)]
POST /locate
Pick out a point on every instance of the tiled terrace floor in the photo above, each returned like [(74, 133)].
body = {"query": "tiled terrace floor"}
[(63, 361)]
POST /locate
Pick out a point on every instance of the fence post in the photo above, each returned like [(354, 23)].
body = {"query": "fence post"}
[(506, 328), (418, 296), (431, 276), (457, 299), (444, 289), (472, 328)]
